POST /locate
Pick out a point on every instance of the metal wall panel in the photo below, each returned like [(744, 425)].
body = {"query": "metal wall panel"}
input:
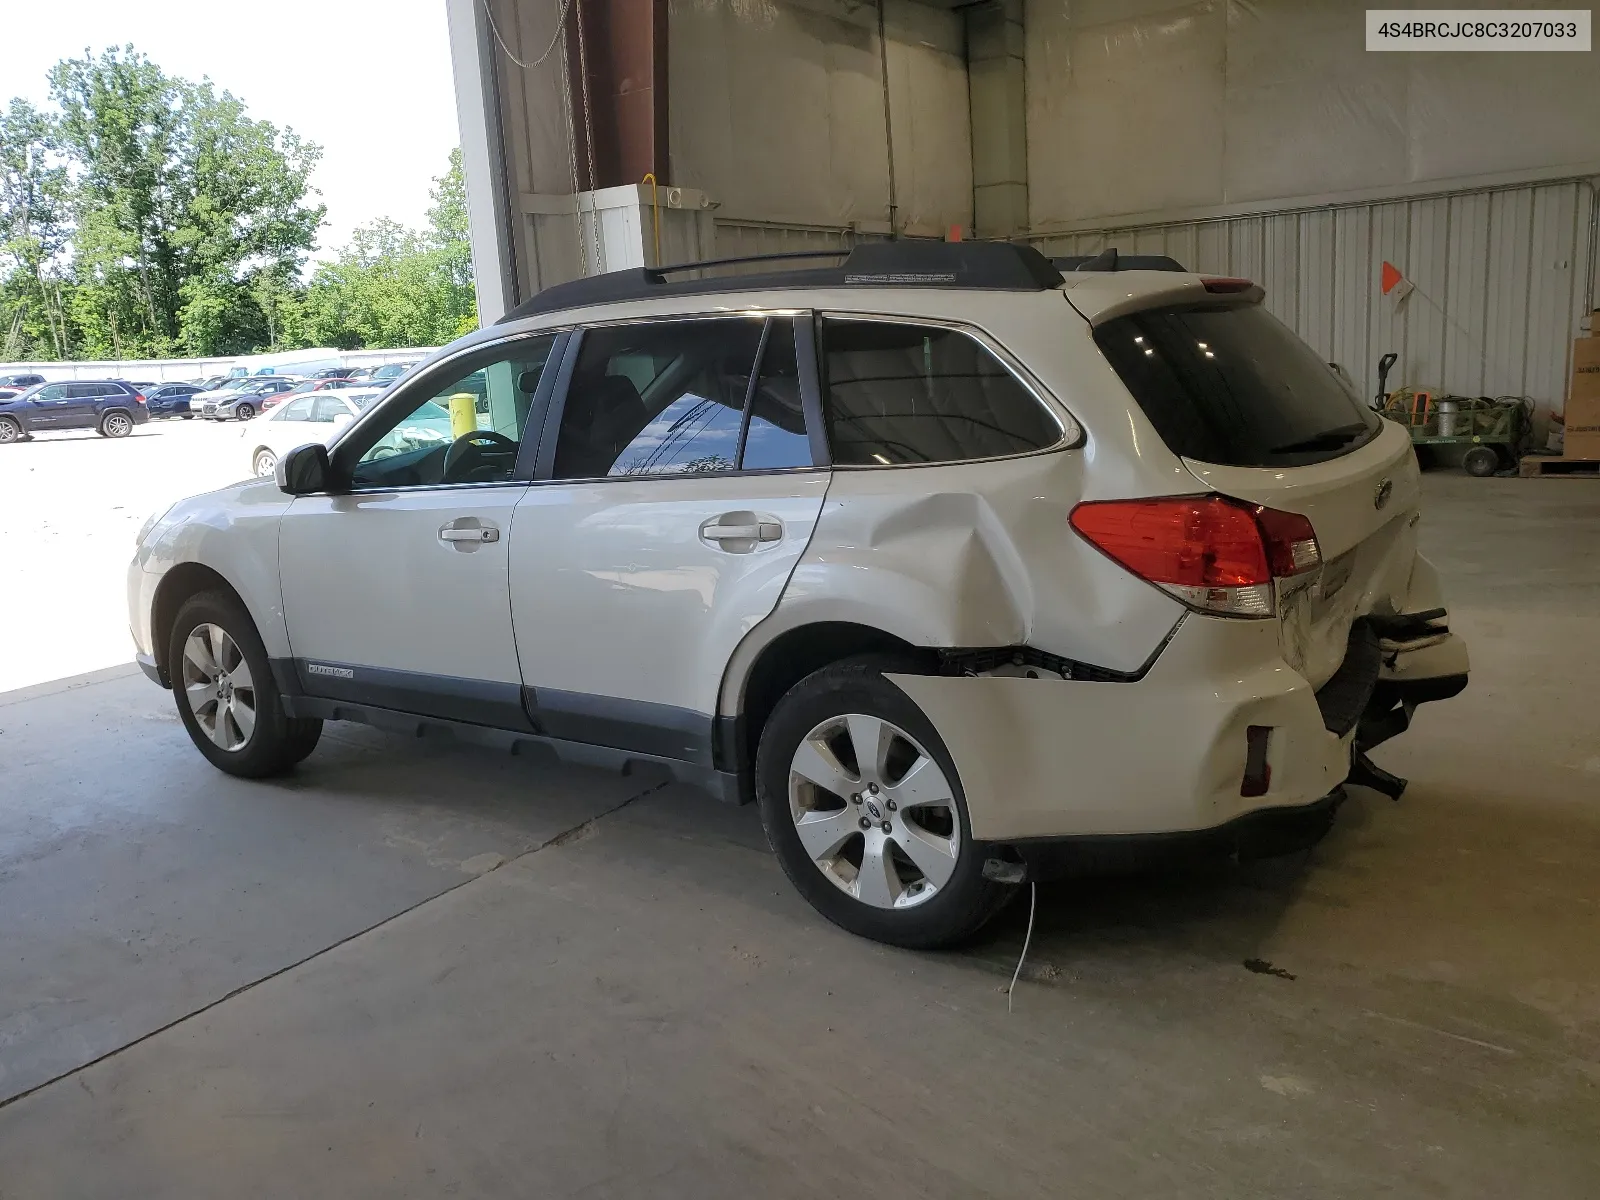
[(1502, 280)]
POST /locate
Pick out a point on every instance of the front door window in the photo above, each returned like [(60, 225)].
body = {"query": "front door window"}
[(464, 426)]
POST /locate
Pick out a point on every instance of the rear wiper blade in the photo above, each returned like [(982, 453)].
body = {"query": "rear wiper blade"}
[(1328, 439)]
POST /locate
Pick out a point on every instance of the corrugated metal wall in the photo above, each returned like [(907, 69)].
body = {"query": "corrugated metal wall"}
[(1502, 279)]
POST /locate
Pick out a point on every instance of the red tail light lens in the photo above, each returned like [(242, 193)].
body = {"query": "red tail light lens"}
[(1215, 554), (138, 398), (1291, 542)]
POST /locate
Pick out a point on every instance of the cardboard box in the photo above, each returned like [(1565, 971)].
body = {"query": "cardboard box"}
[(1582, 415)]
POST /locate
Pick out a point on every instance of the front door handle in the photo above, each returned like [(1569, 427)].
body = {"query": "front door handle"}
[(487, 534), (468, 537)]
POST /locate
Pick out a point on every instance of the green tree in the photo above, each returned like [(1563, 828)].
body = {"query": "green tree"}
[(180, 198), (393, 286), (34, 230)]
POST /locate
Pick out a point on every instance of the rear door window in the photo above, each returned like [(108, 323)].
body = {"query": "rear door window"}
[(907, 393), (1233, 385), (669, 398)]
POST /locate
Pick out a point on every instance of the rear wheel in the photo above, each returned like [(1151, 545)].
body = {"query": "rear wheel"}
[(225, 692), (10, 430), (264, 463), (244, 411), (862, 805), (187, 416), (116, 425), (1480, 462)]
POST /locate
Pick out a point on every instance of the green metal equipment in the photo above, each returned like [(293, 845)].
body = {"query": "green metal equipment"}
[(1493, 429)]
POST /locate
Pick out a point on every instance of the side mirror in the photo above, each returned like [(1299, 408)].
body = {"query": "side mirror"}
[(304, 471)]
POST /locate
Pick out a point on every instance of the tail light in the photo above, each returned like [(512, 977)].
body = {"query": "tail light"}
[(138, 398), (1213, 553), (1224, 287)]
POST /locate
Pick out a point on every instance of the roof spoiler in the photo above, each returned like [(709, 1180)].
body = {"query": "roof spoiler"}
[(1110, 260)]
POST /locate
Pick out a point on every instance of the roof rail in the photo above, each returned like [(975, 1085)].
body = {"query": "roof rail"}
[(995, 266), (1110, 260)]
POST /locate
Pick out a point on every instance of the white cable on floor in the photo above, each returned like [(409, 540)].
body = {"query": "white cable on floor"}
[(1033, 898)]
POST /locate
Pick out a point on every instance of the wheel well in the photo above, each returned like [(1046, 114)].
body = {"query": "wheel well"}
[(177, 585), (789, 659)]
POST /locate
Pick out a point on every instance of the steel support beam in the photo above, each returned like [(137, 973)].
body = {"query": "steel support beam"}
[(617, 67)]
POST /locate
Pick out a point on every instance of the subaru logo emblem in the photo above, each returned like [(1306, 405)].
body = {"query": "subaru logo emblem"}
[(1385, 490)]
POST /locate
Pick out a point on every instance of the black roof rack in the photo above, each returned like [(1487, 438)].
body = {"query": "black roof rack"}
[(993, 266), (1110, 260)]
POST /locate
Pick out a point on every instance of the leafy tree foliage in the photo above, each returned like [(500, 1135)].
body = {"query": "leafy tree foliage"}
[(394, 286), (148, 216)]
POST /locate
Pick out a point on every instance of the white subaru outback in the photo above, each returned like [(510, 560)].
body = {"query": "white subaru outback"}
[(951, 560)]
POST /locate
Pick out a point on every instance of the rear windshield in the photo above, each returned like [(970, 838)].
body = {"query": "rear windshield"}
[(1234, 386)]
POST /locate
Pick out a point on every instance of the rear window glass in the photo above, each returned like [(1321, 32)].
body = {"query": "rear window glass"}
[(1234, 386), (900, 393)]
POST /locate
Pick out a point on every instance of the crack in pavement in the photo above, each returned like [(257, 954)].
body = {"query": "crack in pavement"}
[(556, 840)]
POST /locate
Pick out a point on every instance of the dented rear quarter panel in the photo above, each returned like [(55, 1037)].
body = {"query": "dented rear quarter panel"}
[(974, 555)]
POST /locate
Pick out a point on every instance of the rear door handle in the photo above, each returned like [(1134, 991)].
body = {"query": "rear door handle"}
[(761, 531)]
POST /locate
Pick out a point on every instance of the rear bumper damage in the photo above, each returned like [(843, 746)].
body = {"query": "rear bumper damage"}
[(1219, 742)]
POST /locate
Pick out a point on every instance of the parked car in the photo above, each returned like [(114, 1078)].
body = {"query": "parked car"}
[(389, 372), (212, 383), (110, 408), (310, 385), (171, 400), (20, 380), (948, 561), (318, 416), (241, 401), (333, 373)]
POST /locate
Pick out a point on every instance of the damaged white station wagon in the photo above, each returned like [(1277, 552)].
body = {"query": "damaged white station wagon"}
[(952, 557)]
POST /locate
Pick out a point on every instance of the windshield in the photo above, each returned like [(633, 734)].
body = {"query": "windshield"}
[(1233, 385)]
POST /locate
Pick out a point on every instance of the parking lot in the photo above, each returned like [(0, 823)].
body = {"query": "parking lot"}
[(72, 503), (423, 969)]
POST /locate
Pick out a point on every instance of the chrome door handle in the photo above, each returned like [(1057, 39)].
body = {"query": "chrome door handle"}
[(487, 534), (763, 531)]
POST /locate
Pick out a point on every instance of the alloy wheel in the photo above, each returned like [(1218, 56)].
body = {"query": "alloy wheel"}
[(118, 425), (874, 811), (266, 462), (244, 412), (9, 430), (219, 688)]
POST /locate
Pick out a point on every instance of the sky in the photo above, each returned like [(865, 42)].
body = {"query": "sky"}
[(367, 80)]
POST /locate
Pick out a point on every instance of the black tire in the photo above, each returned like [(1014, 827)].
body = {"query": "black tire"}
[(967, 900), (1480, 462), (10, 430), (277, 741), (244, 411), (187, 416), (116, 424)]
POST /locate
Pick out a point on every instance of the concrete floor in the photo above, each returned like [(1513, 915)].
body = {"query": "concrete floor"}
[(421, 971)]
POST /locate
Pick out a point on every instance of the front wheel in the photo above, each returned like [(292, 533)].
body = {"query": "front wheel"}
[(264, 463), (116, 425), (244, 411), (10, 430), (861, 803), (225, 692)]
